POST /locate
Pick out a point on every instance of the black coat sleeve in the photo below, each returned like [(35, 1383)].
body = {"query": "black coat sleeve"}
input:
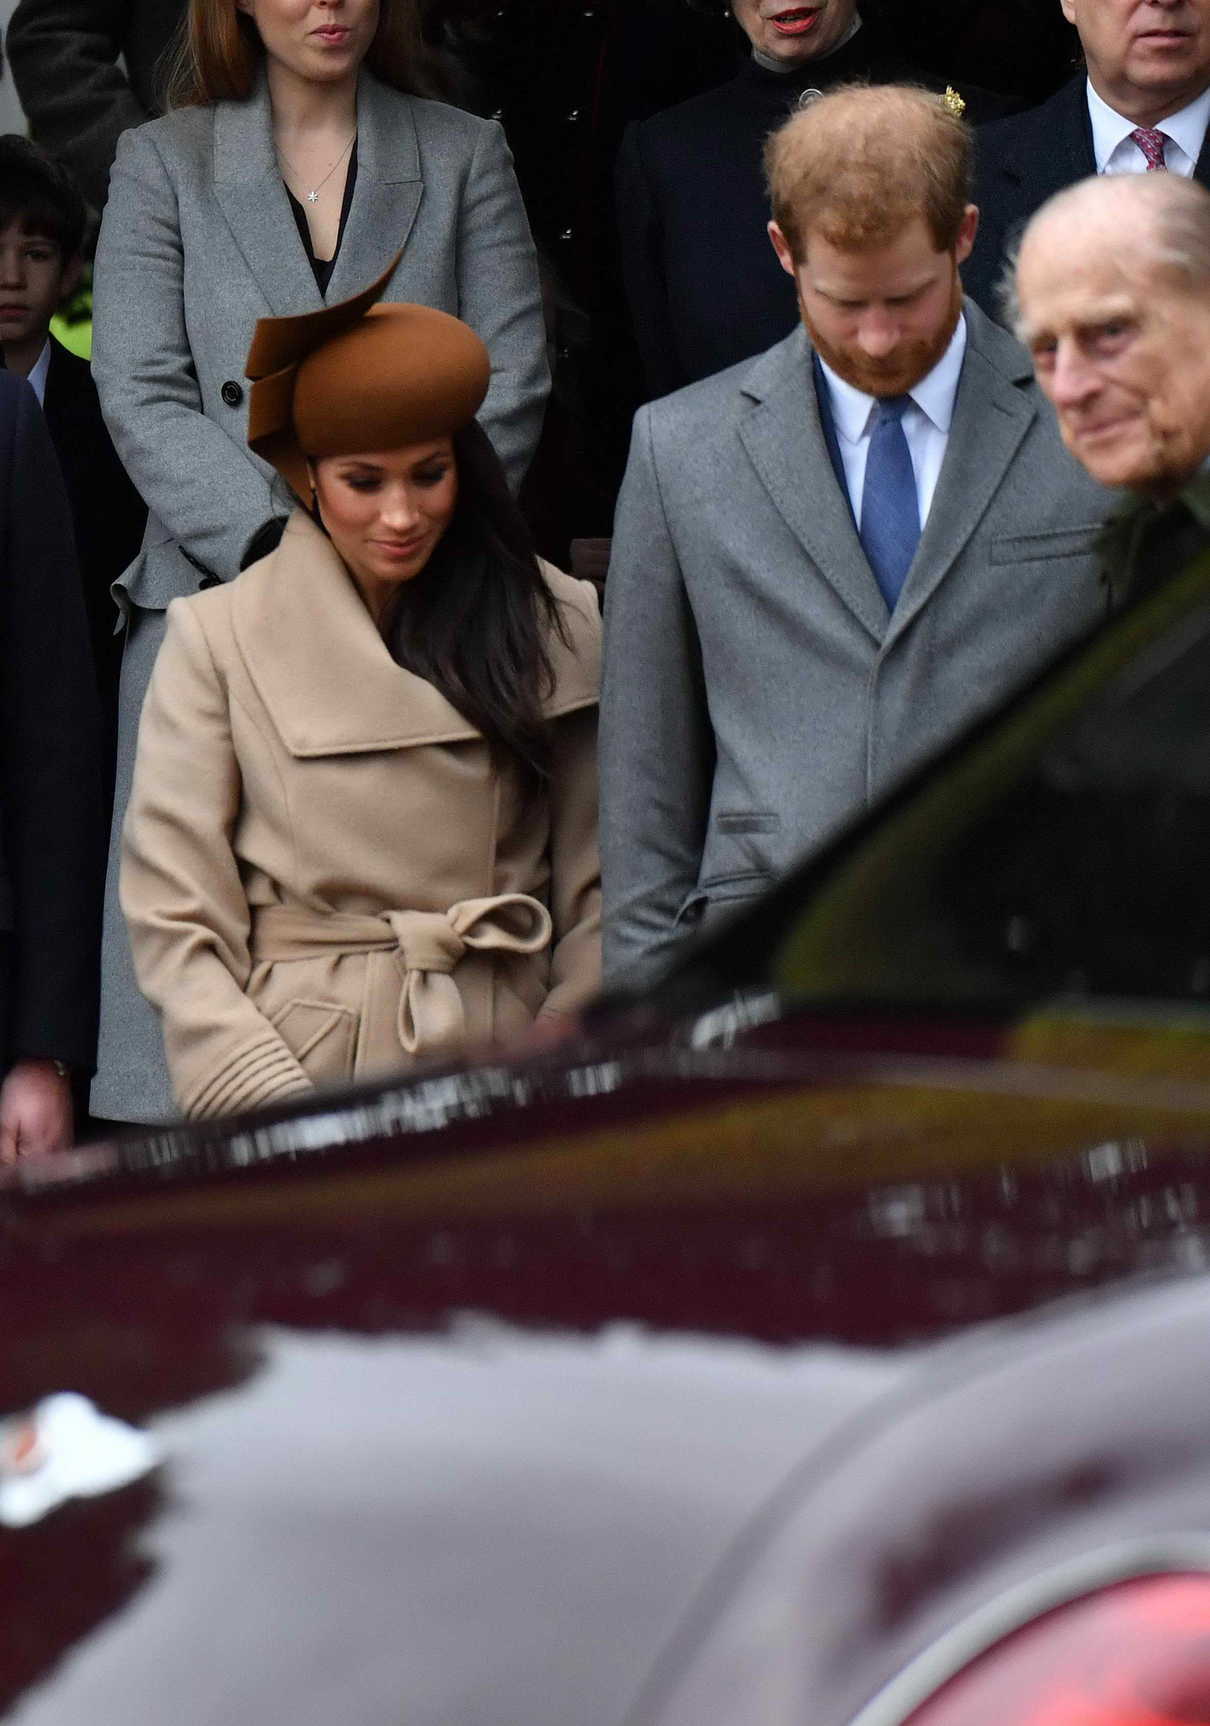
[(66, 58), (50, 783), (643, 267)]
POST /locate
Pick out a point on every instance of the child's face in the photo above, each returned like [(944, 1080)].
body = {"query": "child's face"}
[(35, 278)]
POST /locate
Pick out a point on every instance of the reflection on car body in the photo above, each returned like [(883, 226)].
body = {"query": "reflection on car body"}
[(763, 1392)]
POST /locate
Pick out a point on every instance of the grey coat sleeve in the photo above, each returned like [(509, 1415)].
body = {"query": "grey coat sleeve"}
[(66, 61), (500, 297), (657, 746), (206, 490)]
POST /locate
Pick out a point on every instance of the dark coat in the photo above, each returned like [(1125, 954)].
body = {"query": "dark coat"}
[(107, 512), (1020, 163), (50, 817), (704, 286), (67, 58)]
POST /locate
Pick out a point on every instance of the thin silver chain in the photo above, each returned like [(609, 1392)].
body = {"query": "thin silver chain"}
[(314, 191)]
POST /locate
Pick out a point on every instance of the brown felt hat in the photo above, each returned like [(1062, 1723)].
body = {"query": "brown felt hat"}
[(359, 376)]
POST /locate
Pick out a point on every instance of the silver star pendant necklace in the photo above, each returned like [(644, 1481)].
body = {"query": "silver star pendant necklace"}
[(313, 193)]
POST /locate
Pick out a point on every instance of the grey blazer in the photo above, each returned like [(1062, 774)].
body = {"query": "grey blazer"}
[(757, 694), (197, 242)]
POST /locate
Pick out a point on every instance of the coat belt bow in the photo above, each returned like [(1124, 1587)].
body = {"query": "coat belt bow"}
[(430, 945)]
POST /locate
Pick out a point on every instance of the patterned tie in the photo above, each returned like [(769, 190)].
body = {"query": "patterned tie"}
[(890, 513), (1151, 143)]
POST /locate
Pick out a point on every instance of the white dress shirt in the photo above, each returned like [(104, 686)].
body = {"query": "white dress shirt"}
[(37, 378), (1116, 152), (926, 424)]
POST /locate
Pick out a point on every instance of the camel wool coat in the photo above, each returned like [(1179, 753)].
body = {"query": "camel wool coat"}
[(325, 873)]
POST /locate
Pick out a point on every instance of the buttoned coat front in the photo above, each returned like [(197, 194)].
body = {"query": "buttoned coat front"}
[(197, 243), (305, 813)]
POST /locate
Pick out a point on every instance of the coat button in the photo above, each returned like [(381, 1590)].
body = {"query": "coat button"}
[(208, 581), (232, 394)]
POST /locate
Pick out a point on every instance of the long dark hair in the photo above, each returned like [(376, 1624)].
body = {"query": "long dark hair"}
[(476, 621)]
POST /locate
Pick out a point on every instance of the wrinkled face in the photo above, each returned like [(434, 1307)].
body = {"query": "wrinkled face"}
[(794, 33), (1122, 349), (321, 41), (881, 317), (386, 512), (35, 278), (1147, 58)]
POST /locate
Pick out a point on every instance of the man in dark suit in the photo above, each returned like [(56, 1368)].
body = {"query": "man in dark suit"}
[(49, 794), (42, 219), (1142, 106), (830, 559)]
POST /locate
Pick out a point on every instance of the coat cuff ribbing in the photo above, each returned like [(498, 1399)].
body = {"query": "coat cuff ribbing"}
[(263, 1072)]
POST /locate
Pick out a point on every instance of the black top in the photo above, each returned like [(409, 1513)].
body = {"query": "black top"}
[(704, 286), (51, 846), (323, 267), (703, 282)]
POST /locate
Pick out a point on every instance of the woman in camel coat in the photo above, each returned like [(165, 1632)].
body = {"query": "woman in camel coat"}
[(329, 869)]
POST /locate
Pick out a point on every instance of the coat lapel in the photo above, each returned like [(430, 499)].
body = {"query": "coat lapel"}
[(250, 193), (992, 414), (1056, 149), (1201, 170), (784, 438), (318, 663), (388, 190), (326, 677)]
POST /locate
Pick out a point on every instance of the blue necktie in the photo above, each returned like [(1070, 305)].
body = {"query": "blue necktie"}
[(890, 514)]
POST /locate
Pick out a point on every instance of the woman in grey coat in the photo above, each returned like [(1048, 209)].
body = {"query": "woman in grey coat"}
[(296, 164)]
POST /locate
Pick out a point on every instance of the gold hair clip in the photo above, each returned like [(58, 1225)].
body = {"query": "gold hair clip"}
[(952, 102)]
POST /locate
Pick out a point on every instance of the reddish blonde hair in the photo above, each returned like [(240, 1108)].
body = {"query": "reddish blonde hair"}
[(859, 163), (220, 51)]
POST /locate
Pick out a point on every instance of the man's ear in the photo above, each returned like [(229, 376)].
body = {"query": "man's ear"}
[(781, 246), (966, 234)]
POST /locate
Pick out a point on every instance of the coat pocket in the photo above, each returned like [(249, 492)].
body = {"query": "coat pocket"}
[(748, 821), (1042, 547), (321, 1036), (713, 899)]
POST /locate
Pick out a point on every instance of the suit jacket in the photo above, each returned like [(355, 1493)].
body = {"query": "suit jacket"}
[(757, 695), (1147, 540), (1019, 164), (88, 69), (287, 764), (49, 764), (108, 514)]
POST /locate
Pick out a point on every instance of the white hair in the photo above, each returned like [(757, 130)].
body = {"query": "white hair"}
[(1174, 235)]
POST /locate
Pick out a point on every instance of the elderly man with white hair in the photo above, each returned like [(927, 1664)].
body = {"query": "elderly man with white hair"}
[(1112, 299)]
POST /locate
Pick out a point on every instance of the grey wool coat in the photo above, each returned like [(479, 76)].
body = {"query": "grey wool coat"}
[(757, 694), (198, 242)]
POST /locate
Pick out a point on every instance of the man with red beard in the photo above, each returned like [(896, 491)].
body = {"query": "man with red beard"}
[(702, 288), (830, 559)]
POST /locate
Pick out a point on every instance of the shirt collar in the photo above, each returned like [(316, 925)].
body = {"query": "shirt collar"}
[(1187, 127), (934, 395), (37, 377)]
